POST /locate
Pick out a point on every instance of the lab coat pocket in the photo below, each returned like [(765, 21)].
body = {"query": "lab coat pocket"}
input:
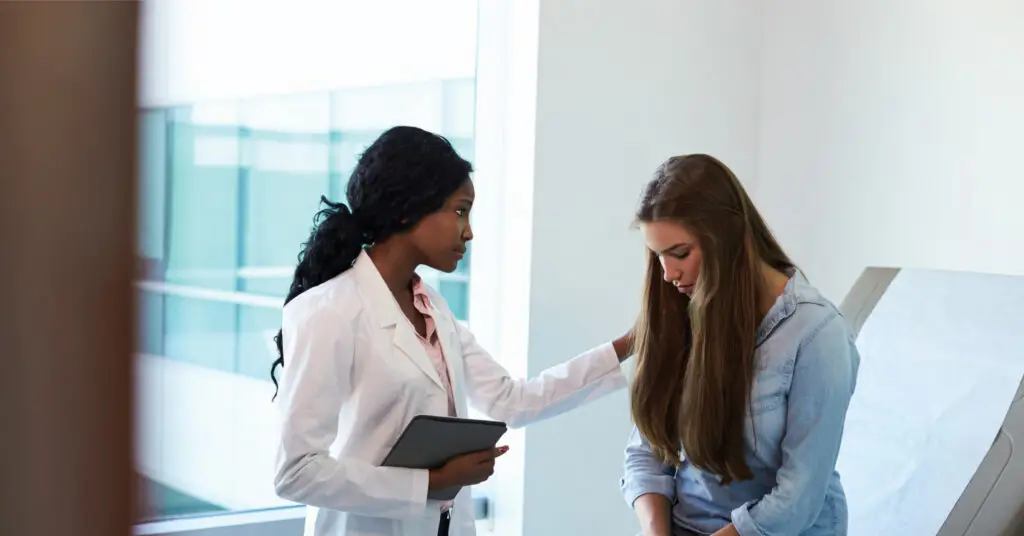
[(423, 526)]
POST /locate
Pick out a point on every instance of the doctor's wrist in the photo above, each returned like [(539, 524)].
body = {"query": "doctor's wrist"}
[(438, 480), (623, 346)]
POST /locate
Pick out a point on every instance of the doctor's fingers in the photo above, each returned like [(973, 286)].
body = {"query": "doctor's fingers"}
[(488, 455), (483, 470)]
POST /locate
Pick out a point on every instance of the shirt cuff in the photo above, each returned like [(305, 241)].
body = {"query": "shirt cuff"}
[(635, 486), (613, 367), (744, 522)]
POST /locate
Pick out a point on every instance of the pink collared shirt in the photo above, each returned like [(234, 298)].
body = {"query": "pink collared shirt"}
[(432, 345)]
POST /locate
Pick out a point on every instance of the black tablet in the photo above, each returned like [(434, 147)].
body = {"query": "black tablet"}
[(429, 441)]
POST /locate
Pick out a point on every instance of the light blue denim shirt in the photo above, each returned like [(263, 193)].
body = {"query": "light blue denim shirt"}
[(806, 372)]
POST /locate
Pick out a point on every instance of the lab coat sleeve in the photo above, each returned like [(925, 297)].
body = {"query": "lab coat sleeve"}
[(315, 384), (823, 383), (518, 402), (644, 473)]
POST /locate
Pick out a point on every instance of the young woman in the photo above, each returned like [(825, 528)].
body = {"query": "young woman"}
[(744, 371), (366, 346)]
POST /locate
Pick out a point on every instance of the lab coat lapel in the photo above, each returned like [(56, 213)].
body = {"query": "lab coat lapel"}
[(406, 341), (391, 317), (446, 334)]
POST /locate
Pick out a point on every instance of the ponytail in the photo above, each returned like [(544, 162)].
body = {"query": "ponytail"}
[(334, 245), (404, 175)]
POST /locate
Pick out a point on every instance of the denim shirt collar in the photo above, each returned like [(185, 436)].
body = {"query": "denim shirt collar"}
[(784, 306)]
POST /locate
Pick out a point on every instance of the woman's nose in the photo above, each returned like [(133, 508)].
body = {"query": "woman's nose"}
[(671, 270)]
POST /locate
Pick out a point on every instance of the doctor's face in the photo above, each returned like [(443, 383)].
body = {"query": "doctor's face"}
[(678, 250), (441, 237)]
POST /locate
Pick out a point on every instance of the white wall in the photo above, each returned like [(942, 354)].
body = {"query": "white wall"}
[(620, 86), (891, 135)]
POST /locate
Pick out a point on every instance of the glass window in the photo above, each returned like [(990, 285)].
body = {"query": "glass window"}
[(227, 195)]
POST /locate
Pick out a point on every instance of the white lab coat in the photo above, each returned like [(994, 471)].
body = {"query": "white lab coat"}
[(355, 374)]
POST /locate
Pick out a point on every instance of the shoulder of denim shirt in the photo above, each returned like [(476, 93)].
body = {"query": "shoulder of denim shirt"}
[(800, 312)]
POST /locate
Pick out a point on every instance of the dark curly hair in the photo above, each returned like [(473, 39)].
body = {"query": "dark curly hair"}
[(404, 175)]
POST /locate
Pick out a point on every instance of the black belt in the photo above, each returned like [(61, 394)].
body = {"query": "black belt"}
[(446, 521)]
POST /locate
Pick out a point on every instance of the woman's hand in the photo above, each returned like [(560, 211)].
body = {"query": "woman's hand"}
[(466, 470), (624, 346)]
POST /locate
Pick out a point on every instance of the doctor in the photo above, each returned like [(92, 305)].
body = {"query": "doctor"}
[(366, 346)]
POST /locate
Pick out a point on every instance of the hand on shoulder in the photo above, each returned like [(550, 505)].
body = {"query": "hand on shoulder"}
[(624, 345)]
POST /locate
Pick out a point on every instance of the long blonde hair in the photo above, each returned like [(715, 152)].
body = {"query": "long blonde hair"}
[(695, 355)]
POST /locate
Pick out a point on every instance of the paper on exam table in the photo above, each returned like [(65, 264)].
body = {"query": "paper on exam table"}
[(942, 356)]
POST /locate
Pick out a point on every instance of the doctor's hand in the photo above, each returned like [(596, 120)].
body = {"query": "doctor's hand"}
[(624, 346), (466, 470)]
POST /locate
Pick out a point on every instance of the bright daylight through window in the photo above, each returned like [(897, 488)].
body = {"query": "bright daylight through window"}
[(228, 190)]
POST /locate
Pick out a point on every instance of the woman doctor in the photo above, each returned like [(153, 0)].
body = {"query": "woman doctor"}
[(366, 346)]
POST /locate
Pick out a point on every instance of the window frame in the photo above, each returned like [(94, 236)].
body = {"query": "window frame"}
[(291, 519), (269, 522)]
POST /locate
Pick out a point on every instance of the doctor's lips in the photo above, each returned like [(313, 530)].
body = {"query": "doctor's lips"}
[(461, 252)]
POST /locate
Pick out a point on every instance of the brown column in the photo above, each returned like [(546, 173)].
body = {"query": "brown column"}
[(67, 183)]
